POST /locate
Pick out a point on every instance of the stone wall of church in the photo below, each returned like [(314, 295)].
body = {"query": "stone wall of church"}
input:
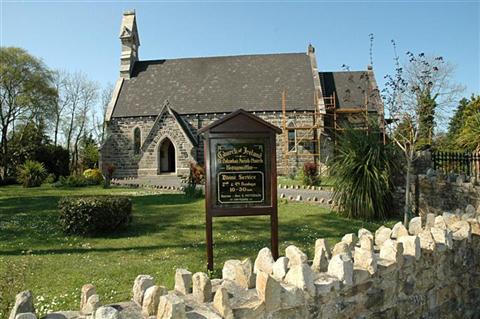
[(118, 148), (287, 162)]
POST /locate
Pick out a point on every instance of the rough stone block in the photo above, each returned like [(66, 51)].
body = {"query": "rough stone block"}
[(350, 240), (321, 258), (221, 303), (295, 256), (280, 268), (23, 304), (426, 240), (202, 287), (264, 261), (440, 222), (341, 248), (151, 299), (398, 231), (461, 230), (341, 266), (392, 250), (86, 291), (415, 226), (411, 246), (240, 272), (365, 259), (366, 242), (183, 281), (363, 231), (291, 296), (268, 290), (302, 277), (381, 235), (107, 313), (171, 307), (141, 283), (430, 221), (325, 283)]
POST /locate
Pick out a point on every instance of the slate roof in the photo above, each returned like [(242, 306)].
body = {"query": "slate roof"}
[(350, 88), (218, 85)]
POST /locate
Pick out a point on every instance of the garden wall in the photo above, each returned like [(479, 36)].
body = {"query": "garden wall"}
[(431, 270), (438, 193)]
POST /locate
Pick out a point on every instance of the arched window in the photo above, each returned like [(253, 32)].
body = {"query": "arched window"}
[(292, 136), (137, 138)]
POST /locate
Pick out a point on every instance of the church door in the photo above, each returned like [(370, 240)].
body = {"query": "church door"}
[(166, 157)]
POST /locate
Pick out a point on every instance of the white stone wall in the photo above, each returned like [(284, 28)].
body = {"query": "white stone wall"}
[(430, 270)]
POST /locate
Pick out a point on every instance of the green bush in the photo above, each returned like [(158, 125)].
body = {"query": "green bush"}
[(50, 179), (363, 170), (31, 174), (94, 175), (310, 174), (94, 215), (74, 181)]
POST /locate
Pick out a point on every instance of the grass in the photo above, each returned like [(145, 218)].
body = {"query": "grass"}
[(297, 180), (167, 232)]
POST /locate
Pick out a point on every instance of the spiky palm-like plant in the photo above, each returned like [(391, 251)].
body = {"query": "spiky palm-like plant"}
[(363, 169)]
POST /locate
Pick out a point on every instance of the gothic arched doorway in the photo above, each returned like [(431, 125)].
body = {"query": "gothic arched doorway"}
[(166, 157)]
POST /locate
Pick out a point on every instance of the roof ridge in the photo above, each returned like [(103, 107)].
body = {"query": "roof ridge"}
[(221, 57)]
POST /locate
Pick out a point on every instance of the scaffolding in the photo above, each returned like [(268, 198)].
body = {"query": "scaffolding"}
[(322, 123)]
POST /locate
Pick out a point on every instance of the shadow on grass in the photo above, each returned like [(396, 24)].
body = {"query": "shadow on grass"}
[(34, 219)]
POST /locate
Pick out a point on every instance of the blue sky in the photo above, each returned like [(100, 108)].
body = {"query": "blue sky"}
[(83, 36)]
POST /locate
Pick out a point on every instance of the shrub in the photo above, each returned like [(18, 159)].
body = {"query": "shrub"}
[(50, 179), (94, 215), (31, 174), (196, 176), (94, 175), (363, 170), (74, 181), (310, 174), (110, 169)]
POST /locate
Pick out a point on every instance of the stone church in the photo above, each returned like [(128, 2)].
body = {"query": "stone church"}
[(158, 106)]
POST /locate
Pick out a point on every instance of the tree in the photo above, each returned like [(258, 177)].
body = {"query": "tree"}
[(60, 80), (82, 95), (432, 90), (412, 95), (25, 87), (468, 135)]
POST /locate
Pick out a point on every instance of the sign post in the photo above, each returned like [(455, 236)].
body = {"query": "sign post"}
[(241, 172)]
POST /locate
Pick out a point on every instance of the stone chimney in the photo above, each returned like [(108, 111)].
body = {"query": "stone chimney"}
[(318, 98), (130, 44)]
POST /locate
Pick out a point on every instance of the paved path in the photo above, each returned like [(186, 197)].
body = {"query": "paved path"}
[(319, 194)]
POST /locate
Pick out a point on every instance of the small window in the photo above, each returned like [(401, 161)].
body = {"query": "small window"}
[(136, 140), (292, 139)]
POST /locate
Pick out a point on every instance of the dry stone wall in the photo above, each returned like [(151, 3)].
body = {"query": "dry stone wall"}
[(429, 269), (436, 193)]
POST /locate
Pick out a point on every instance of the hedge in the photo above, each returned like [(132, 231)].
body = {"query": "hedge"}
[(94, 215)]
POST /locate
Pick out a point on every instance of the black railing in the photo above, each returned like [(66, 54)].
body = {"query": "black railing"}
[(456, 162)]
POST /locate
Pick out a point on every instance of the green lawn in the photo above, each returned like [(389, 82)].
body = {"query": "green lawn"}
[(167, 232), (297, 180)]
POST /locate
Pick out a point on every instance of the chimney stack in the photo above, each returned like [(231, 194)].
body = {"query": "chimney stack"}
[(130, 44)]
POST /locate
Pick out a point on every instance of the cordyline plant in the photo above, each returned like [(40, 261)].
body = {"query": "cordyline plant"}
[(413, 96)]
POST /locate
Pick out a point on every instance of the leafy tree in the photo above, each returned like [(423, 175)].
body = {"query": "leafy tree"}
[(25, 89), (89, 152), (469, 134)]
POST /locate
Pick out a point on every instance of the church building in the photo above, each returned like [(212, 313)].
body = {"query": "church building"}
[(158, 106)]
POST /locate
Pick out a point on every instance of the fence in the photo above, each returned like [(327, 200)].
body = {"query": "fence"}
[(456, 162)]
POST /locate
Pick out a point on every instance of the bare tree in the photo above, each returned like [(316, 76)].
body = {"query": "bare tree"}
[(82, 97), (61, 101), (402, 96), (98, 115)]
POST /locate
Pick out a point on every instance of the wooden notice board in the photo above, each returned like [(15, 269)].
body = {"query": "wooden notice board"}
[(241, 172)]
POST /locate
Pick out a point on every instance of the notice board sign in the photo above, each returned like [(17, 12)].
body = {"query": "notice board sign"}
[(241, 172)]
